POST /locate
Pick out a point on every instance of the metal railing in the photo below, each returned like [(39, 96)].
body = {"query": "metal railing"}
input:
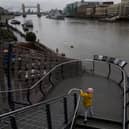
[(67, 70), (120, 64), (51, 114), (22, 67), (77, 106), (18, 97)]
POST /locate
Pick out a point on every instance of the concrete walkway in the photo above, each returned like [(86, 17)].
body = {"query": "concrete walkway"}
[(108, 100)]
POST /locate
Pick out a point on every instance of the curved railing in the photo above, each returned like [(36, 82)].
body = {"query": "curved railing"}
[(54, 113), (109, 69)]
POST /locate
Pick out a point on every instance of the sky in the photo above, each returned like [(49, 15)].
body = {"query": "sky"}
[(45, 4)]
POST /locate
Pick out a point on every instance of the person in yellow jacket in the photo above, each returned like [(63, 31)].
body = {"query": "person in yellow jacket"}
[(87, 101)]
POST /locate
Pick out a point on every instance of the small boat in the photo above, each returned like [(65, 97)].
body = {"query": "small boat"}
[(25, 28), (15, 22), (58, 17), (110, 19), (28, 23), (55, 14)]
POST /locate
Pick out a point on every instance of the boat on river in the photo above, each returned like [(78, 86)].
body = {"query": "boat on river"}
[(25, 28), (110, 19), (55, 14), (28, 23), (15, 22)]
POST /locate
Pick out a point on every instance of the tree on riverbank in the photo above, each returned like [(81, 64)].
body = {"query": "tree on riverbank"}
[(30, 36)]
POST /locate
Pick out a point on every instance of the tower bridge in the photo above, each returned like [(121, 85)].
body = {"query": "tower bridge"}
[(24, 13)]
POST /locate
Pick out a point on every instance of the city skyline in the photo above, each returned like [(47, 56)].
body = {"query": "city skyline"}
[(45, 4)]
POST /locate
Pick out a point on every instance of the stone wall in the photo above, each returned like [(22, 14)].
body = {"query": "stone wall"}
[(28, 65)]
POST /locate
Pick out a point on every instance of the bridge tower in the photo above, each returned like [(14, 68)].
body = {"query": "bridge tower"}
[(24, 13), (23, 10), (38, 10)]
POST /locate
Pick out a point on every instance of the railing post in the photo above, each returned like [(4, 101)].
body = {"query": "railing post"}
[(121, 78), (126, 118), (51, 80), (41, 90), (13, 122), (127, 104), (28, 97), (79, 68), (109, 72), (62, 72), (93, 69), (75, 100), (49, 120), (127, 90), (10, 97), (65, 110), (127, 125)]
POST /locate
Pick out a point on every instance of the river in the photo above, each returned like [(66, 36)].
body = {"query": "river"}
[(88, 37)]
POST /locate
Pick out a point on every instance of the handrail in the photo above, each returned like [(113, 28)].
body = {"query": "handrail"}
[(125, 100), (77, 106), (32, 106), (58, 65), (34, 85), (56, 99)]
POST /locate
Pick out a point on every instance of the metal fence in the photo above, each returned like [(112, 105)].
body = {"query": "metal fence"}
[(28, 77), (51, 114), (73, 69), (20, 68)]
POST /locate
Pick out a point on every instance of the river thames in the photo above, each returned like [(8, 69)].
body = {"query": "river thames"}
[(88, 37)]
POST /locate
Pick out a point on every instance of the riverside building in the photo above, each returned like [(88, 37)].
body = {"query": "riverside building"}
[(125, 8), (87, 9), (120, 9)]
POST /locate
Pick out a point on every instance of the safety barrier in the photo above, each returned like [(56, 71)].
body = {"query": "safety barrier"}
[(55, 113), (35, 90), (20, 68), (124, 79)]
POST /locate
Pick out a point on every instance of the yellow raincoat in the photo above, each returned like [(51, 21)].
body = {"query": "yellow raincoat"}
[(87, 98)]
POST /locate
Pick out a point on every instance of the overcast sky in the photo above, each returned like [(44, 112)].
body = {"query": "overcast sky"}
[(45, 4)]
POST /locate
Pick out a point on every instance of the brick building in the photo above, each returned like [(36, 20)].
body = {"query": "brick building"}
[(87, 8)]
